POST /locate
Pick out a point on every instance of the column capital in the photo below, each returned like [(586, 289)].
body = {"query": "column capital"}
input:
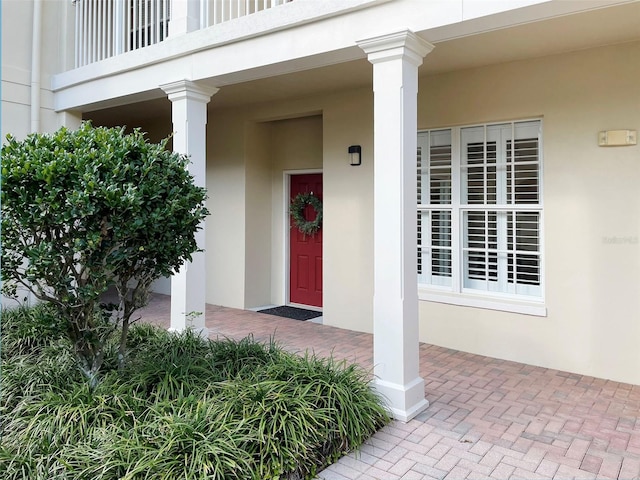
[(392, 46), (186, 89)]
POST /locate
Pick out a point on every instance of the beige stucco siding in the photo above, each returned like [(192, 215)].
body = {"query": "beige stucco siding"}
[(348, 203), (591, 210), (259, 223), (225, 245), (17, 51)]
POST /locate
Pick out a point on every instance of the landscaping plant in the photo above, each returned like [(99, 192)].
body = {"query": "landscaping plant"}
[(86, 209), (183, 407)]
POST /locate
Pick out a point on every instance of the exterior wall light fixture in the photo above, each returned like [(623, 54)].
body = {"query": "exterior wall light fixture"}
[(355, 155)]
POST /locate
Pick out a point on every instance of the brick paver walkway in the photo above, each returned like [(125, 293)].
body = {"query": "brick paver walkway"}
[(487, 418)]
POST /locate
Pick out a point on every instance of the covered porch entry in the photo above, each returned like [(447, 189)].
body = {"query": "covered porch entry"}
[(249, 155)]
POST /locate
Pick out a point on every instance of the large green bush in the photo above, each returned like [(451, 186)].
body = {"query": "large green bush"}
[(182, 408), (86, 209)]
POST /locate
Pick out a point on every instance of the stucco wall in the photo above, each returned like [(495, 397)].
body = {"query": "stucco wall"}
[(17, 51), (259, 226), (16, 67), (348, 206), (591, 210), (225, 245)]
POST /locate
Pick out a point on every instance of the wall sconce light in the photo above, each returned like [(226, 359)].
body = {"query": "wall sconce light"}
[(355, 155)]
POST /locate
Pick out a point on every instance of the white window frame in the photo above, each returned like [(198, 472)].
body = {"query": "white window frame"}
[(454, 292)]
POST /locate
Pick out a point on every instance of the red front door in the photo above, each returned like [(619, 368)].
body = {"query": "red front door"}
[(305, 251)]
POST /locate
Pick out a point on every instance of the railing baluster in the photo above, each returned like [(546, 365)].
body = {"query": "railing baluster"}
[(167, 9), (99, 29), (87, 38), (118, 22), (85, 34), (145, 23), (146, 28), (134, 24), (140, 10), (128, 24), (92, 55), (105, 28), (156, 21), (102, 31), (134, 21), (135, 31), (78, 6), (141, 20), (110, 29), (88, 31), (96, 31)]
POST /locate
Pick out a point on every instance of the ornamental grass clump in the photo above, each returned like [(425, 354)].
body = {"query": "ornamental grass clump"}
[(182, 407)]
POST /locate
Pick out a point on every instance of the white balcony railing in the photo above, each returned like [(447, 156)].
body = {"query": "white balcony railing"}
[(105, 28)]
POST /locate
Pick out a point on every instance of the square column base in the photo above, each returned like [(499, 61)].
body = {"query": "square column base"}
[(404, 402)]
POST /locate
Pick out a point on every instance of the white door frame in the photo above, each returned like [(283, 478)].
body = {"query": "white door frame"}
[(286, 182)]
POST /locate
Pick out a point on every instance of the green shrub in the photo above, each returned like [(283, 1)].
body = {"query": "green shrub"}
[(182, 407), (86, 209)]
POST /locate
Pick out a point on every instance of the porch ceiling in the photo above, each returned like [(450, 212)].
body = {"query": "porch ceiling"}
[(453, 51)]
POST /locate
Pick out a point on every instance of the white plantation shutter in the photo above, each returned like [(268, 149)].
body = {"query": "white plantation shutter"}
[(497, 215), (434, 216)]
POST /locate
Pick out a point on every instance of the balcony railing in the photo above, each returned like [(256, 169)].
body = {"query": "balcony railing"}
[(105, 28)]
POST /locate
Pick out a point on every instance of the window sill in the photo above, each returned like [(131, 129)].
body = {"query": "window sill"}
[(537, 309)]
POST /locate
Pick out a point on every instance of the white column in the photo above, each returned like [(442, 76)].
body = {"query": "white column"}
[(184, 16), (396, 58), (189, 116)]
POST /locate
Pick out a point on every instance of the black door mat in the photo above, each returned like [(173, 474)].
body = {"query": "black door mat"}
[(292, 312)]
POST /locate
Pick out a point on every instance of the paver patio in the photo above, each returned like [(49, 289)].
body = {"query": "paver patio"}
[(487, 418)]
